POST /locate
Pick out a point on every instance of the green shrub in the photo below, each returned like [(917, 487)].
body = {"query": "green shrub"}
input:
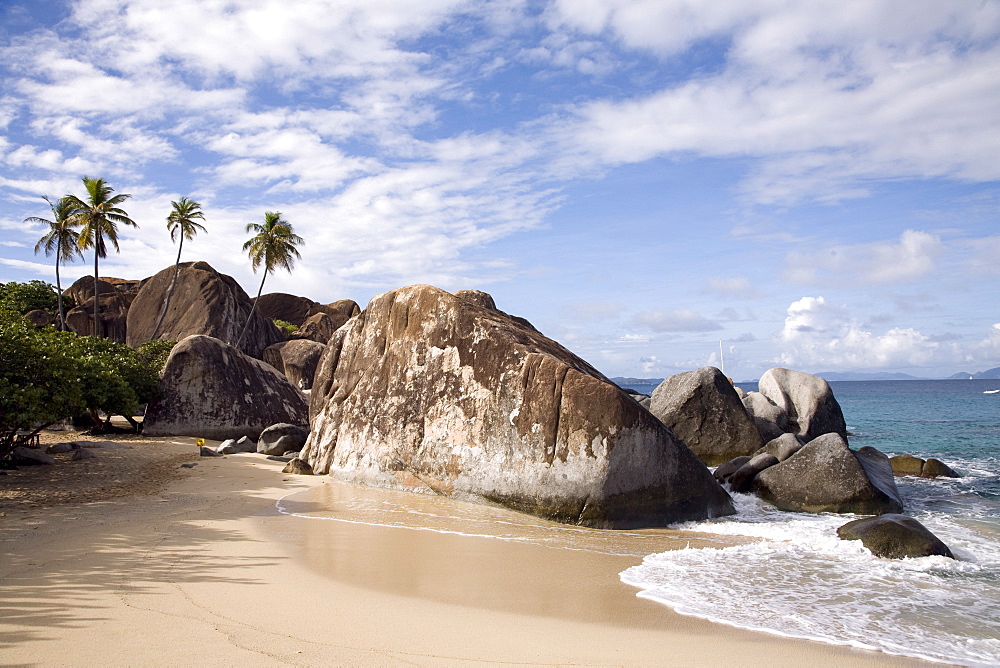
[(24, 297), (287, 326)]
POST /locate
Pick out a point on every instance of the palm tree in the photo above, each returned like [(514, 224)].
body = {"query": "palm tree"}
[(181, 222), (99, 217), (60, 239), (273, 246)]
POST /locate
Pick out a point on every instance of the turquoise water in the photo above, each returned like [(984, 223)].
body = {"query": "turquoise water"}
[(798, 579)]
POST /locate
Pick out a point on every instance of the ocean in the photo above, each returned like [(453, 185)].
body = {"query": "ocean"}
[(787, 573), (798, 579)]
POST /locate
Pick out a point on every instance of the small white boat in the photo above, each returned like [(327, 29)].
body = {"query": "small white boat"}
[(991, 392)]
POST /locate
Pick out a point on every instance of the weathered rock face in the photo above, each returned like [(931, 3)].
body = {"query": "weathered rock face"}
[(428, 391), (742, 478), (935, 468), (210, 389), (806, 400), (283, 306), (339, 311), (783, 447), (915, 466), (702, 409), (725, 471), (40, 318), (83, 288), (894, 536), (296, 359), (771, 421), (113, 316), (281, 438), (204, 302), (825, 476), (318, 327)]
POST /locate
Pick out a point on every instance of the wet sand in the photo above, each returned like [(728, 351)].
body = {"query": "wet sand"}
[(205, 570)]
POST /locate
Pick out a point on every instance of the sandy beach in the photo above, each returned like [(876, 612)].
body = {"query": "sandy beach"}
[(132, 559)]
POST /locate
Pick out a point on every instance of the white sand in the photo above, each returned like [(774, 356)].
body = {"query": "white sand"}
[(207, 572)]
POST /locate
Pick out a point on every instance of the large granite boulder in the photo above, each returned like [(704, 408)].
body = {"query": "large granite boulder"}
[(903, 465), (806, 400), (702, 409), (283, 306), (281, 438), (741, 480), (826, 476), (431, 392), (318, 327), (112, 316), (296, 359), (203, 302), (783, 446), (212, 390), (40, 319), (771, 421), (82, 288), (894, 536), (339, 311)]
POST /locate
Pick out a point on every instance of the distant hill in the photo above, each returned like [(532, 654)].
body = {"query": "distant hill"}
[(641, 385), (866, 375), (989, 374)]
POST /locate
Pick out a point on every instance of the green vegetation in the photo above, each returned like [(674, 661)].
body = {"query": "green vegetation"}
[(273, 245), (182, 222), (47, 375), (60, 239), (23, 297), (98, 218), (287, 326)]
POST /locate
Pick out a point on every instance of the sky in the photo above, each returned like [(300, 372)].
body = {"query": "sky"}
[(813, 185)]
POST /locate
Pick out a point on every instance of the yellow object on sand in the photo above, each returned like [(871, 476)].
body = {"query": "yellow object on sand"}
[(200, 442)]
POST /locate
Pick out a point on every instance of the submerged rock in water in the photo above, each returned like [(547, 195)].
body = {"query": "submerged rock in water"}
[(430, 391), (903, 465), (702, 409), (741, 480), (826, 476), (894, 536)]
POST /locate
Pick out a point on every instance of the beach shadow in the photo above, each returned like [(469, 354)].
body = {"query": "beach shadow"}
[(59, 565)]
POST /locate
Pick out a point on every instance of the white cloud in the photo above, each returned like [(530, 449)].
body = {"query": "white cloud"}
[(733, 287), (913, 257), (825, 100), (821, 336), (675, 320)]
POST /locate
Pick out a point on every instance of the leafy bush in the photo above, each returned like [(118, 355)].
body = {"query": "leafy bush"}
[(24, 297), (46, 375), (287, 326), (41, 379)]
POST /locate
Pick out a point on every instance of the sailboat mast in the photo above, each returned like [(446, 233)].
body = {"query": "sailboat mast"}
[(722, 359)]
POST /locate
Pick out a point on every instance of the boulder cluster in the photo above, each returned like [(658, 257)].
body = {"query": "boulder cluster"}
[(443, 393)]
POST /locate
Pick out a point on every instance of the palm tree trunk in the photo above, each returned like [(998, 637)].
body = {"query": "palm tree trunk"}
[(97, 296), (252, 309), (170, 291), (62, 315)]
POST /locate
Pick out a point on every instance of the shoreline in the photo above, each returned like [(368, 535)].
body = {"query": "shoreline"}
[(206, 570)]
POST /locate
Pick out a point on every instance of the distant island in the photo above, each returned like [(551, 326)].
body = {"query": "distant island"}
[(644, 384)]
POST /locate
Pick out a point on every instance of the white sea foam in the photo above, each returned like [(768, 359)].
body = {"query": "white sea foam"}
[(800, 580)]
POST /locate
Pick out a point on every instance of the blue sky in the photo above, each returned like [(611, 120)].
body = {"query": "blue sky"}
[(814, 184)]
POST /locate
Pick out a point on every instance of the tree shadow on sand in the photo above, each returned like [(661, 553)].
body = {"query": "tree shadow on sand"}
[(135, 549)]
